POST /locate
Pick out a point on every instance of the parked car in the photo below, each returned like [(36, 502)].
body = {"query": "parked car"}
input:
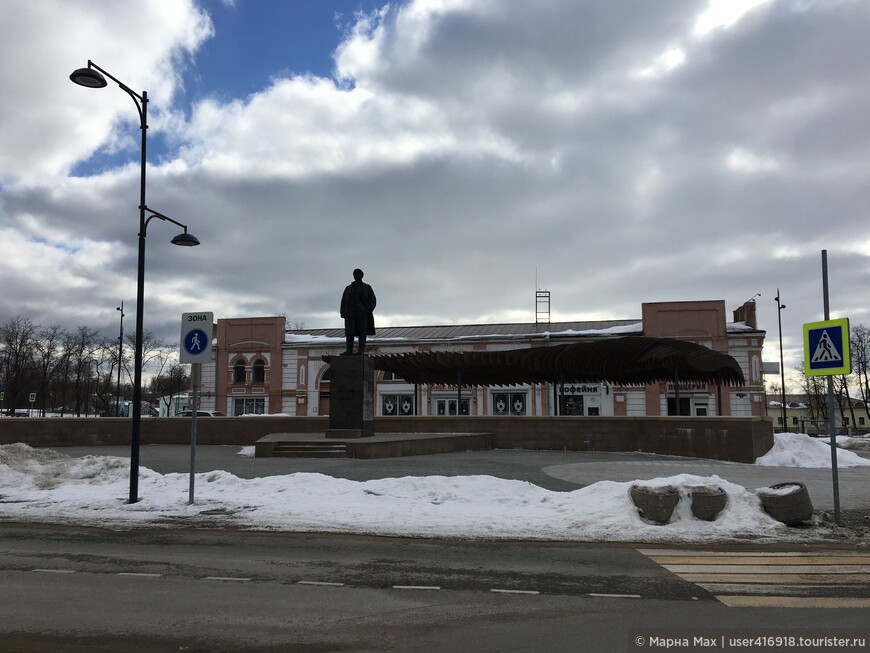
[(200, 413)]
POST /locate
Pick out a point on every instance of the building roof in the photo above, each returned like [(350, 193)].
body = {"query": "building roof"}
[(473, 332), (483, 331)]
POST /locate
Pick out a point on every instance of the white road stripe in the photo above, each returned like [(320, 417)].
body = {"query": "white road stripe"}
[(227, 578), (767, 569), (416, 587), (55, 571), (770, 578), (138, 574), (615, 596), (733, 601), (319, 583), (507, 591), (680, 553)]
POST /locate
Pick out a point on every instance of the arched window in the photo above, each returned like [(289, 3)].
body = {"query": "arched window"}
[(239, 372), (259, 371)]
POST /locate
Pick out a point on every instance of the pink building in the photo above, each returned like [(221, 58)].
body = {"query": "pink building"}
[(260, 367)]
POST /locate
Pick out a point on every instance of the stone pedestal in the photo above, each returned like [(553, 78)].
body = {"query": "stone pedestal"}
[(351, 397)]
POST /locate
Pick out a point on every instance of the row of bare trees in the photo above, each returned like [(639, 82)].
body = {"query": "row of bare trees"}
[(856, 386), (80, 372)]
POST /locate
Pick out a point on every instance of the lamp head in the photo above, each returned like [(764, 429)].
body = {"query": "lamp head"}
[(88, 77), (185, 240)]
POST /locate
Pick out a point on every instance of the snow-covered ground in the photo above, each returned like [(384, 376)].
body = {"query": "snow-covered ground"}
[(47, 486)]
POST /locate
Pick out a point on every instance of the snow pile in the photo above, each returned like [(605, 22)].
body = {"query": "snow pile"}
[(42, 485), (800, 450)]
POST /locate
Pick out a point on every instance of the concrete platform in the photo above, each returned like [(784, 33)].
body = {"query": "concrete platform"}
[(380, 445)]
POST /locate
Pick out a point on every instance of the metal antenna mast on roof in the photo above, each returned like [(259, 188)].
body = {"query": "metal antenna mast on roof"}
[(542, 303)]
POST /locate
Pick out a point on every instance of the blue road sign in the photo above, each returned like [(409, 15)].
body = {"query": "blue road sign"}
[(826, 348), (196, 334), (195, 342)]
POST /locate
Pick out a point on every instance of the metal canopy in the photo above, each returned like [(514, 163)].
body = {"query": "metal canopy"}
[(630, 360)]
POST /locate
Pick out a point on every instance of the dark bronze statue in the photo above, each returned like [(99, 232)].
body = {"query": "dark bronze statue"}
[(357, 308)]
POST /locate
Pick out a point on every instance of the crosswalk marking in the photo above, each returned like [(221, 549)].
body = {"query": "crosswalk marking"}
[(817, 579)]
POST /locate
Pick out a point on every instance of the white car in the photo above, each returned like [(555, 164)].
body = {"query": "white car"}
[(200, 413)]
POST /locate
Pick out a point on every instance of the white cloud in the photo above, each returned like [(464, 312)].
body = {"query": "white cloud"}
[(723, 14), (742, 160), (49, 122)]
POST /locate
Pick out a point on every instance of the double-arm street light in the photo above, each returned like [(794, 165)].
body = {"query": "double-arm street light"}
[(95, 77)]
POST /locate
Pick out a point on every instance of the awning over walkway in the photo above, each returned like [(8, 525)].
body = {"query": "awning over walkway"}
[(628, 360)]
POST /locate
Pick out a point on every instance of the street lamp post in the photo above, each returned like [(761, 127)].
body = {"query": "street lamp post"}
[(779, 307), (120, 358), (95, 77)]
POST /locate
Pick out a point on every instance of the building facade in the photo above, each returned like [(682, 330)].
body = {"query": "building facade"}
[(259, 367)]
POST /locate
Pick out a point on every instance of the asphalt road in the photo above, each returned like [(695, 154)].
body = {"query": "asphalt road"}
[(71, 589)]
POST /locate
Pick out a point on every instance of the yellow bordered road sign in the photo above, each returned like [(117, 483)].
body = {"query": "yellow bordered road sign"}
[(826, 348)]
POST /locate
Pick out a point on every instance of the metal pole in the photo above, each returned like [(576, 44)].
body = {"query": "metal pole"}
[(120, 359), (140, 302), (458, 391), (779, 307), (831, 420), (194, 371)]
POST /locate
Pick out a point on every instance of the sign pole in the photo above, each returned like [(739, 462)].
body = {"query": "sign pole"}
[(832, 434), (194, 372), (197, 330)]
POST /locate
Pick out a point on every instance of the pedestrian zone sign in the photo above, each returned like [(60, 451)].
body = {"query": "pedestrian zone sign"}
[(826, 348), (196, 334)]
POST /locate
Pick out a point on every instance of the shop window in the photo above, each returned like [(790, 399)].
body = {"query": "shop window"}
[(249, 406), (571, 405), (685, 406), (239, 372), (397, 404), (509, 403), (258, 374), (448, 407)]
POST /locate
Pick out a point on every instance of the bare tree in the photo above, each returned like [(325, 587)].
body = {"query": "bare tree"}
[(859, 346), (170, 382), (50, 357), (81, 347), (18, 372)]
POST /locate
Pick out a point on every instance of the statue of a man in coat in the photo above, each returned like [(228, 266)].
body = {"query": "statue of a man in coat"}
[(357, 308)]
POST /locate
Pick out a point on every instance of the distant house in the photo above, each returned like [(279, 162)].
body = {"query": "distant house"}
[(806, 414)]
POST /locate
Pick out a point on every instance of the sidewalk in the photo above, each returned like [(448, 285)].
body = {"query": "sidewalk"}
[(553, 470)]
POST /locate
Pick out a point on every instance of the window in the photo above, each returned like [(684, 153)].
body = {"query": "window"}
[(249, 406), (509, 403), (259, 371), (239, 372), (397, 404), (392, 376)]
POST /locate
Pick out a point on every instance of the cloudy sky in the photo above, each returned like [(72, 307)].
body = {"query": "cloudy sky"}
[(462, 152)]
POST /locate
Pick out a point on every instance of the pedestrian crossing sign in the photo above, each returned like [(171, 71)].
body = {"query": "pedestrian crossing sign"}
[(826, 348)]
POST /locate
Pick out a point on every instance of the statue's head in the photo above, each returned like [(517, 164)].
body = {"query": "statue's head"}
[(357, 275)]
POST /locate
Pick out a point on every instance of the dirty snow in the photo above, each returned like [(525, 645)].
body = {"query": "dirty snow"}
[(48, 486)]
